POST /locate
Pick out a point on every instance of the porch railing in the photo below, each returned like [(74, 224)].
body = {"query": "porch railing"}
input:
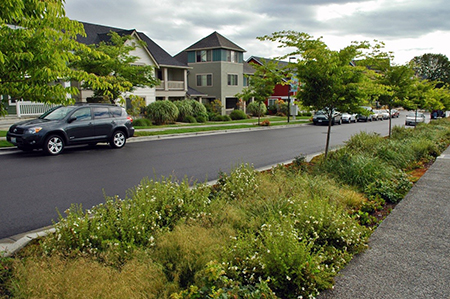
[(172, 85)]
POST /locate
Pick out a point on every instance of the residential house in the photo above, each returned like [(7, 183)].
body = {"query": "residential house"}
[(171, 72), (281, 90), (217, 69)]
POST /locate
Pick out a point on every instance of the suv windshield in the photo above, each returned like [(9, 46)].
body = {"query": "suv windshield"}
[(56, 113)]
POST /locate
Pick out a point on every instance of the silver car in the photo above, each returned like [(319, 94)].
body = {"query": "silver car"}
[(413, 118), (348, 118)]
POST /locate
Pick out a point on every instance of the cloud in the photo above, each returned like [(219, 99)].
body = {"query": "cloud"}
[(177, 24)]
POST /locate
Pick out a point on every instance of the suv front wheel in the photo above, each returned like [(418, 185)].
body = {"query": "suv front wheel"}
[(118, 139), (53, 145)]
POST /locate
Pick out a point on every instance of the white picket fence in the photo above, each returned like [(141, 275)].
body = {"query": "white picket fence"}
[(30, 108)]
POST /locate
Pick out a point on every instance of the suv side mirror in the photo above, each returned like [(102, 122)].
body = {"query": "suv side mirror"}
[(72, 119)]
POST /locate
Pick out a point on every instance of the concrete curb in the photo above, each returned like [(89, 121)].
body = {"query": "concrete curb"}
[(16, 243)]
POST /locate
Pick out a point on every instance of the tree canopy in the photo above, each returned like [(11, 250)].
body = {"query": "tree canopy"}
[(329, 78), (434, 67), (36, 47)]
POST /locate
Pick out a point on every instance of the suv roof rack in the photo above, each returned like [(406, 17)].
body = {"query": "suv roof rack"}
[(89, 104)]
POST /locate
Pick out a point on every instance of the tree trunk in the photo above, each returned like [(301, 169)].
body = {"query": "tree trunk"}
[(330, 121)]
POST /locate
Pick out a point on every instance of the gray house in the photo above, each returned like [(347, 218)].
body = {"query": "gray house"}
[(217, 69)]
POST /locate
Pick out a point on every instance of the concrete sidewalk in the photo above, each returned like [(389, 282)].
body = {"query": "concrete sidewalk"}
[(409, 253)]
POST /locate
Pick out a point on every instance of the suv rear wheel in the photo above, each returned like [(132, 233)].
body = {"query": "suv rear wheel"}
[(118, 139), (53, 145)]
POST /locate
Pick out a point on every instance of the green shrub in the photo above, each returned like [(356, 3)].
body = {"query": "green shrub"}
[(257, 108), (238, 114), (214, 283), (142, 122), (189, 119), (364, 142), (221, 118), (162, 112), (198, 109), (202, 118), (184, 109)]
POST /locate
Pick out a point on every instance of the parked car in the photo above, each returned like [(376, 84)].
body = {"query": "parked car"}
[(348, 118), (70, 125), (413, 118), (395, 113), (321, 117), (377, 115), (385, 114), (435, 114), (366, 115)]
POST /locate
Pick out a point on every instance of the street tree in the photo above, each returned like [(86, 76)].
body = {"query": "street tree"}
[(329, 79), (37, 42), (425, 95), (395, 85), (111, 60), (262, 83), (434, 67)]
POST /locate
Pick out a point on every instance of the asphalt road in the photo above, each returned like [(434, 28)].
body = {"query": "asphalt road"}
[(34, 186)]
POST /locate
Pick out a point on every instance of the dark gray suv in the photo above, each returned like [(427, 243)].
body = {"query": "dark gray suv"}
[(71, 125)]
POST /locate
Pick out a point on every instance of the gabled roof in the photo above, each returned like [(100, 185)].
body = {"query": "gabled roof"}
[(215, 41), (248, 69), (195, 93), (98, 33), (262, 60)]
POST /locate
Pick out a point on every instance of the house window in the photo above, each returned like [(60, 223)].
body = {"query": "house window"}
[(204, 55), (204, 80), (245, 81), (232, 79), (232, 56)]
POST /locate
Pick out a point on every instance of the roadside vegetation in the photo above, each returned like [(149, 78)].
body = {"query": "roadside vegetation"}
[(282, 233)]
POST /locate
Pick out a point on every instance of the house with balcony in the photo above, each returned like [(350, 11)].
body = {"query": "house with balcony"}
[(216, 69), (171, 72)]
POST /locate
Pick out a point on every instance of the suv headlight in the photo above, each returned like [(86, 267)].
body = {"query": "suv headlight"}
[(33, 130)]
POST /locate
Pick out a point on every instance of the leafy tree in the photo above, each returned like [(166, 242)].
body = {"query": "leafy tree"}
[(36, 46), (329, 79), (434, 67), (261, 83), (395, 85), (111, 60), (425, 95)]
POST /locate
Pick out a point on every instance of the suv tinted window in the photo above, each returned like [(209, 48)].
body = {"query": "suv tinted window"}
[(101, 112), (83, 113), (116, 111)]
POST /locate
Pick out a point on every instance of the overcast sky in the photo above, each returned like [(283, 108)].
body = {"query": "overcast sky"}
[(408, 27)]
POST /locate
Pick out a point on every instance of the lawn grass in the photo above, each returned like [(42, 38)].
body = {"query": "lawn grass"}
[(205, 128), (4, 143), (251, 121)]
